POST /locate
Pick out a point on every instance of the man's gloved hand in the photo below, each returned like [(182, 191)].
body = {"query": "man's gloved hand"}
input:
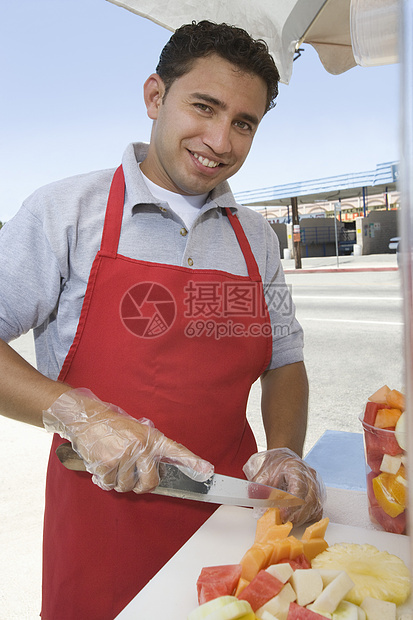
[(283, 468), (120, 452)]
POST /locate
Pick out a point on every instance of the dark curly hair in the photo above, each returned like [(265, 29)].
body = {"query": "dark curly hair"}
[(197, 40)]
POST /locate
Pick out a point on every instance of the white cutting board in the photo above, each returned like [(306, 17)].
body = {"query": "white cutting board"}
[(223, 539)]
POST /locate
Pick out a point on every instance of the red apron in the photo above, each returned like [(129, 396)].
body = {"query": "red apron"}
[(168, 343)]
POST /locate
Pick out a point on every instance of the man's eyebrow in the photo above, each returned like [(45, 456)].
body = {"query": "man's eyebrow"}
[(250, 118)]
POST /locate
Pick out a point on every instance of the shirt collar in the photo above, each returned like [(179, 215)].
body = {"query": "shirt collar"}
[(137, 192)]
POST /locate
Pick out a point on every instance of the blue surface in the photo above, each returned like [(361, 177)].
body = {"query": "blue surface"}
[(338, 456)]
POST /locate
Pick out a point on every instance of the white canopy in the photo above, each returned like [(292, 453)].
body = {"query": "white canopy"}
[(283, 24)]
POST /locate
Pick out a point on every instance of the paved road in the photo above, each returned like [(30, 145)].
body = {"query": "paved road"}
[(353, 328), (353, 345)]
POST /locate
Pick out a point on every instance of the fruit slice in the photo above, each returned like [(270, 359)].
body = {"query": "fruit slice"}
[(400, 432), (261, 589), (379, 609), (316, 530), (215, 581), (391, 464), (296, 612), (380, 396), (346, 611), (395, 525), (387, 418), (233, 611), (200, 613), (332, 594), (375, 573), (382, 490), (395, 399), (307, 585), (278, 605)]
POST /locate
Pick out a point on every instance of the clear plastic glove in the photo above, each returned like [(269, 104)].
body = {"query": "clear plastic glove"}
[(120, 452), (283, 468)]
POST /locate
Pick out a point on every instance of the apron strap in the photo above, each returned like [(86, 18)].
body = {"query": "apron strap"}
[(252, 266), (114, 215)]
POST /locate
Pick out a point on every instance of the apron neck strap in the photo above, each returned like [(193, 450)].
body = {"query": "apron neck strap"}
[(113, 225), (252, 266), (114, 215)]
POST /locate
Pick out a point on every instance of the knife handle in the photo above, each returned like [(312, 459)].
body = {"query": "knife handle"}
[(69, 458)]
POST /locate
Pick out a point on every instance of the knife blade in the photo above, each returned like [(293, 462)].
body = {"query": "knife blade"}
[(218, 489)]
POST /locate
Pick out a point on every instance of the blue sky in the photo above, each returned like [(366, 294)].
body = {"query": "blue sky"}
[(71, 79)]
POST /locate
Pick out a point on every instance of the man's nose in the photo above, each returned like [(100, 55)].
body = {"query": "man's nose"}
[(218, 137)]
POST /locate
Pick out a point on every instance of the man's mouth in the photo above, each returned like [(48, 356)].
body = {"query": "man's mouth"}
[(208, 163)]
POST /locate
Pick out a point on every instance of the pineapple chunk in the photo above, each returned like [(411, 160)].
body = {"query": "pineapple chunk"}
[(307, 584), (378, 610), (332, 594), (375, 573)]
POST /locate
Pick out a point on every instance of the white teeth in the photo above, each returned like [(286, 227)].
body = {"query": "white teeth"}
[(209, 163)]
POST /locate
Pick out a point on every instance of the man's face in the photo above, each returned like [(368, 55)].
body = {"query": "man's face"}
[(204, 127)]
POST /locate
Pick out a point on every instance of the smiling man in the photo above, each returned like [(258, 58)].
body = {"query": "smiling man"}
[(154, 296)]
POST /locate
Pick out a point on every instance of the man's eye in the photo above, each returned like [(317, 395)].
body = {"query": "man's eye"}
[(203, 107), (243, 125)]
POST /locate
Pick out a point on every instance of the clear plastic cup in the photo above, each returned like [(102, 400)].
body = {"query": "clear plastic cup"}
[(386, 478)]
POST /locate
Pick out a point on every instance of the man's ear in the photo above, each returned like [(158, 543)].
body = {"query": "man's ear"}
[(153, 92)]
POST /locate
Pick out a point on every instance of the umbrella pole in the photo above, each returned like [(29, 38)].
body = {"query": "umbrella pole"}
[(296, 235)]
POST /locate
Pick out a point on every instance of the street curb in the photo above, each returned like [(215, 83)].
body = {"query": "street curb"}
[(339, 269)]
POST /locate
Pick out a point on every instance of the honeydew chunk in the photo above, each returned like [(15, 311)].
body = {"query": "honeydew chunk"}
[(278, 605), (327, 575), (233, 611), (318, 611), (332, 594), (362, 614), (377, 609), (282, 571), (345, 611), (204, 610), (307, 584), (391, 464)]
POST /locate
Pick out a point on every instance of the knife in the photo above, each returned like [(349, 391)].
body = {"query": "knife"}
[(218, 489)]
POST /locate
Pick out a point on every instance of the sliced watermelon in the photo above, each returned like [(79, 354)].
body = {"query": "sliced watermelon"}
[(370, 412), (380, 441), (261, 589), (217, 581), (298, 562), (296, 612)]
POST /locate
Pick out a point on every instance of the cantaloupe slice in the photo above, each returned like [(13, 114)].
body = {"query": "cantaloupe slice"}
[(296, 547), (270, 518), (387, 418), (277, 532), (316, 530), (313, 547), (242, 584), (396, 399), (380, 396), (255, 559), (281, 550)]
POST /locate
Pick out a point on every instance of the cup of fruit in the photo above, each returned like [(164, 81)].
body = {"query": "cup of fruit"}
[(385, 438)]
